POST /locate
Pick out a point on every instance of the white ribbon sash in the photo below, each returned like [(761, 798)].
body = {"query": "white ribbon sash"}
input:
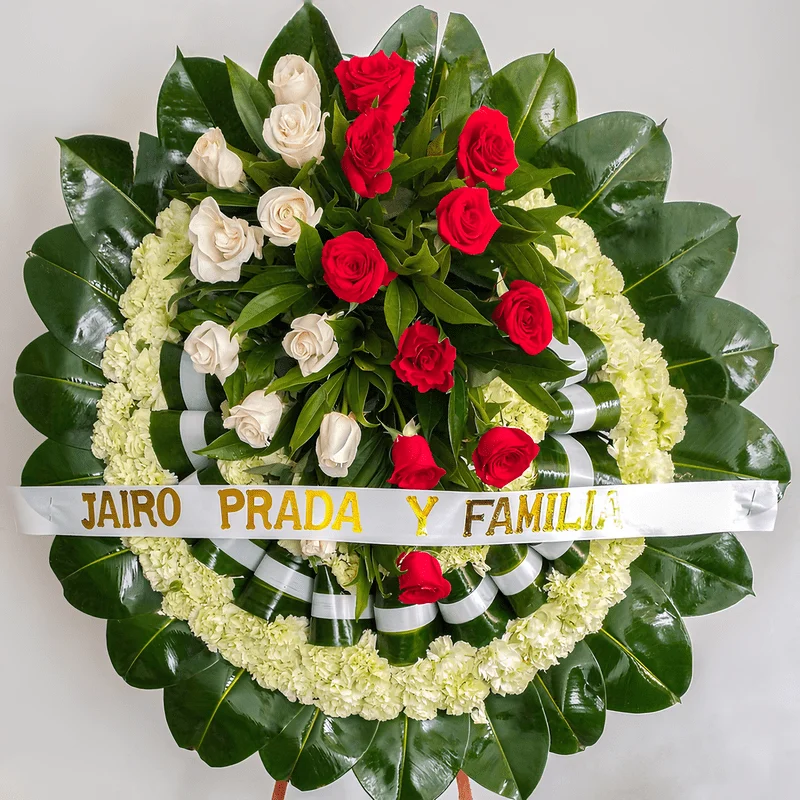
[(338, 607), (405, 618), (284, 579), (522, 576), (391, 516), (466, 609), (193, 386)]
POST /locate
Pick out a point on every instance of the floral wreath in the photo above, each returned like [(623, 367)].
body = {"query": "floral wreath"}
[(398, 270)]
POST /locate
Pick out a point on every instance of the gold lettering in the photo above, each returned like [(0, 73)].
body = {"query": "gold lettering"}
[(259, 501), (89, 498), (126, 512), (471, 516), (422, 513), (107, 511), (161, 506), (563, 525), (349, 501), (529, 517), (588, 524), (550, 511), (289, 511), (311, 495), (612, 510), (230, 501), (504, 508), (143, 503)]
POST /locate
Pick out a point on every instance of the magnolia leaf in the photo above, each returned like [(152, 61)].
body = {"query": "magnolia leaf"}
[(253, 102)]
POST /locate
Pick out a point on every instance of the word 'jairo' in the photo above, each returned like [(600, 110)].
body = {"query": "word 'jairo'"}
[(136, 508), (555, 516)]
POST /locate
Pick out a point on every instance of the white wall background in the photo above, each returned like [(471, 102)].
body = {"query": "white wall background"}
[(723, 71)]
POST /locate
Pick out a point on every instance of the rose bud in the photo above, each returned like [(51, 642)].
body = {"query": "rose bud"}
[(466, 220), (414, 467), (369, 153), (424, 361), (524, 315), (294, 80), (256, 418), (422, 580), (354, 268), (337, 444), (486, 149), (389, 79), (214, 162), (502, 455)]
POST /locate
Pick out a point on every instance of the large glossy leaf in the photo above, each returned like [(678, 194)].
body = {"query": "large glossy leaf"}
[(725, 441), (306, 34), (416, 33), (508, 755), (97, 181), (538, 96), (621, 164), (53, 464), (154, 165), (195, 96), (573, 695), (643, 650), (461, 42), (413, 760), (101, 577), (672, 248), (253, 102), (701, 574), (152, 651), (57, 392), (713, 346), (314, 750), (224, 715), (72, 293)]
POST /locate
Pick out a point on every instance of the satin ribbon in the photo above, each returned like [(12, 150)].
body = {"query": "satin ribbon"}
[(405, 618), (284, 579), (338, 607), (471, 607), (193, 386), (522, 576)]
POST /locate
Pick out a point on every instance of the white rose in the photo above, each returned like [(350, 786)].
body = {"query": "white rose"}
[(337, 443), (316, 547), (295, 80), (256, 418), (278, 212), (213, 350), (214, 163), (220, 244), (296, 131), (311, 342)]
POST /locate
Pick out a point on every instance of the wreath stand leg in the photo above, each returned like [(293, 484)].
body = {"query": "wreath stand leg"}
[(464, 789), (279, 792)]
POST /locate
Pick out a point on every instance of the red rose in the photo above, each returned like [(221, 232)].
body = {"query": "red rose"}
[(422, 360), (524, 315), (354, 268), (502, 455), (466, 220), (387, 78), (422, 580), (486, 149), (414, 467), (369, 153)]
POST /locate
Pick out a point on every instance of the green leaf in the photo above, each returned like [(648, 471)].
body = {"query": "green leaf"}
[(407, 170), (196, 95), (538, 96), (102, 578), (268, 174), (224, 715), (154, 165), (253, 102), (355, 392), (621, 164), (643, 650), (372, 465), (315, 408), (53, 464), (457, 413), (446, 304), (226, 198), (57, 392), (573, 695), (508, 755), (431, 408), (725, 441), (308, 253), (527, 177), (314, 750), (228, 447), (307, 34), (701, 574), (399, 306), (72, 293), (713, 347), (532, 392), (294, 379), (675, 248), (97, 181), (462, 43), (417, 32), (424, 757), (152, 651), (276, 275), (457, 92), (269, 304), (422, 262)]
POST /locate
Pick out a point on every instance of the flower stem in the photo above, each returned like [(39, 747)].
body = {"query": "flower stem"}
[(399, 411)]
